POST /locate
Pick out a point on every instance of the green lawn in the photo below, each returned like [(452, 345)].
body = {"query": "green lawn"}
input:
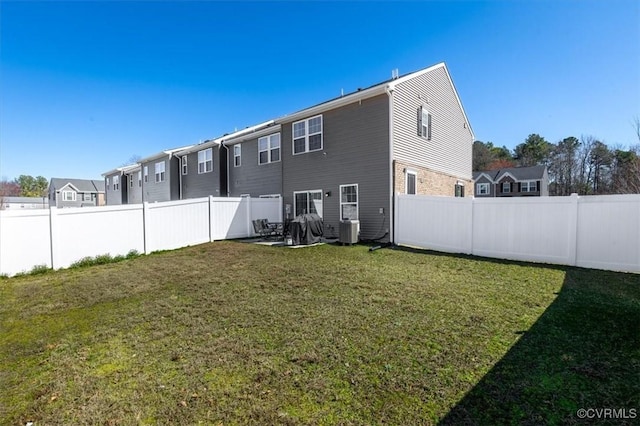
[(234, 333)]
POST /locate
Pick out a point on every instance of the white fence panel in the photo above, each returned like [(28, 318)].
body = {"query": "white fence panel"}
[(25, 240), (266, 208), (436, 223), (175, 224), (540, 229), (609, 232), (91, 231), (230, 218)]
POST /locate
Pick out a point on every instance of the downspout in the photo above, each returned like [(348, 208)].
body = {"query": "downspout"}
[(226, 148), (389, 90), (180, 176)]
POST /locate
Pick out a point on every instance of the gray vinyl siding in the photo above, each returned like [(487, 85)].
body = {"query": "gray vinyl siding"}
[(61, 203), (114, 196), (153, 191), (134, 194), (355, 151), (450, 148), (484, 179), (253, 178), (196, 185)]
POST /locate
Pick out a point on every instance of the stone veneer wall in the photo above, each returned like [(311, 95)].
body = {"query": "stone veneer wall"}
[(429, 182)]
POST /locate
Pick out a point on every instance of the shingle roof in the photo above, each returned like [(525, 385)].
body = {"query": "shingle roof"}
[(82, 185), (520, 173)]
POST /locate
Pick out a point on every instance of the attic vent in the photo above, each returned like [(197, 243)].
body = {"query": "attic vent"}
[(394, 73)]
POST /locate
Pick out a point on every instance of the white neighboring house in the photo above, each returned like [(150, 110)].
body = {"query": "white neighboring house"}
[(19, 203)]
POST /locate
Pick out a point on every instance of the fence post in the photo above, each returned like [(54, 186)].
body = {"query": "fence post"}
[(53, 234), (145, 212), (396, 216), (210, 218), (573, 231), (248, 216)]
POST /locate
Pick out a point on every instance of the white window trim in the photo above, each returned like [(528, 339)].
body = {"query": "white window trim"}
[(308, 198), (160, 174), (502, 186), (270, 148), (270, 196), (483, 185), (146, 174), (107, 183), (183, 164), (307, 135), (529, 184), (357, 203), (424, 130), (204, 161), (116, 183), (130, 181), (139, 178), (237, 155), (65, 196), (406, 181)]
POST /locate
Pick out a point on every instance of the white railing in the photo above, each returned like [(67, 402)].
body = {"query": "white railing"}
[(600, 232), (57, 238)]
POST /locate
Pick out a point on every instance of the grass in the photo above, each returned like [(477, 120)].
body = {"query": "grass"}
[(233, 333)]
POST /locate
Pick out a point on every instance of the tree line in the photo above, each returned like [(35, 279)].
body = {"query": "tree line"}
[(24, 186), (586, 166)]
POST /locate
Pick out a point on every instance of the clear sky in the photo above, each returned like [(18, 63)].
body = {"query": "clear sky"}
[(85, 86)]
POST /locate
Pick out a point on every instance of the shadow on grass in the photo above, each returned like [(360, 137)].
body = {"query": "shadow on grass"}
[(582, 353)]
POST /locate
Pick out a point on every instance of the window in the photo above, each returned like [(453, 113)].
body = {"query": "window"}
[(482, 188), (205, 160), (506, 187), (116, 183), (130, 181), (184, 164), (146, 174), (160, 172), (68, 196), (424, 123), (107, 186), (410, 185), (529, 186), (237, 155), (269, 149), (459, 190), (307, 202), (139, 178), (307, 135), (87, 196), (349, 202)]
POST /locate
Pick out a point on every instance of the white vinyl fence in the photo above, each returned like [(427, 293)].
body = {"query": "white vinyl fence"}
[(58, 237), (600, 232)]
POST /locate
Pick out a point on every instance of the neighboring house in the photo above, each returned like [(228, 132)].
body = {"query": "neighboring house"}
[(18, 203), (76, 192), (512, 182), (161, 176), (119, 183)]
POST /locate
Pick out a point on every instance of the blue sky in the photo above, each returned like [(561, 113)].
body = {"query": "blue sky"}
[(84, 86)]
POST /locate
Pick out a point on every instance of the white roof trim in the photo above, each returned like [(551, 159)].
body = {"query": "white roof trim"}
[(508, 174), (169, 152), (485, 175), (122, 170), (259, 133), (69, 184)]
